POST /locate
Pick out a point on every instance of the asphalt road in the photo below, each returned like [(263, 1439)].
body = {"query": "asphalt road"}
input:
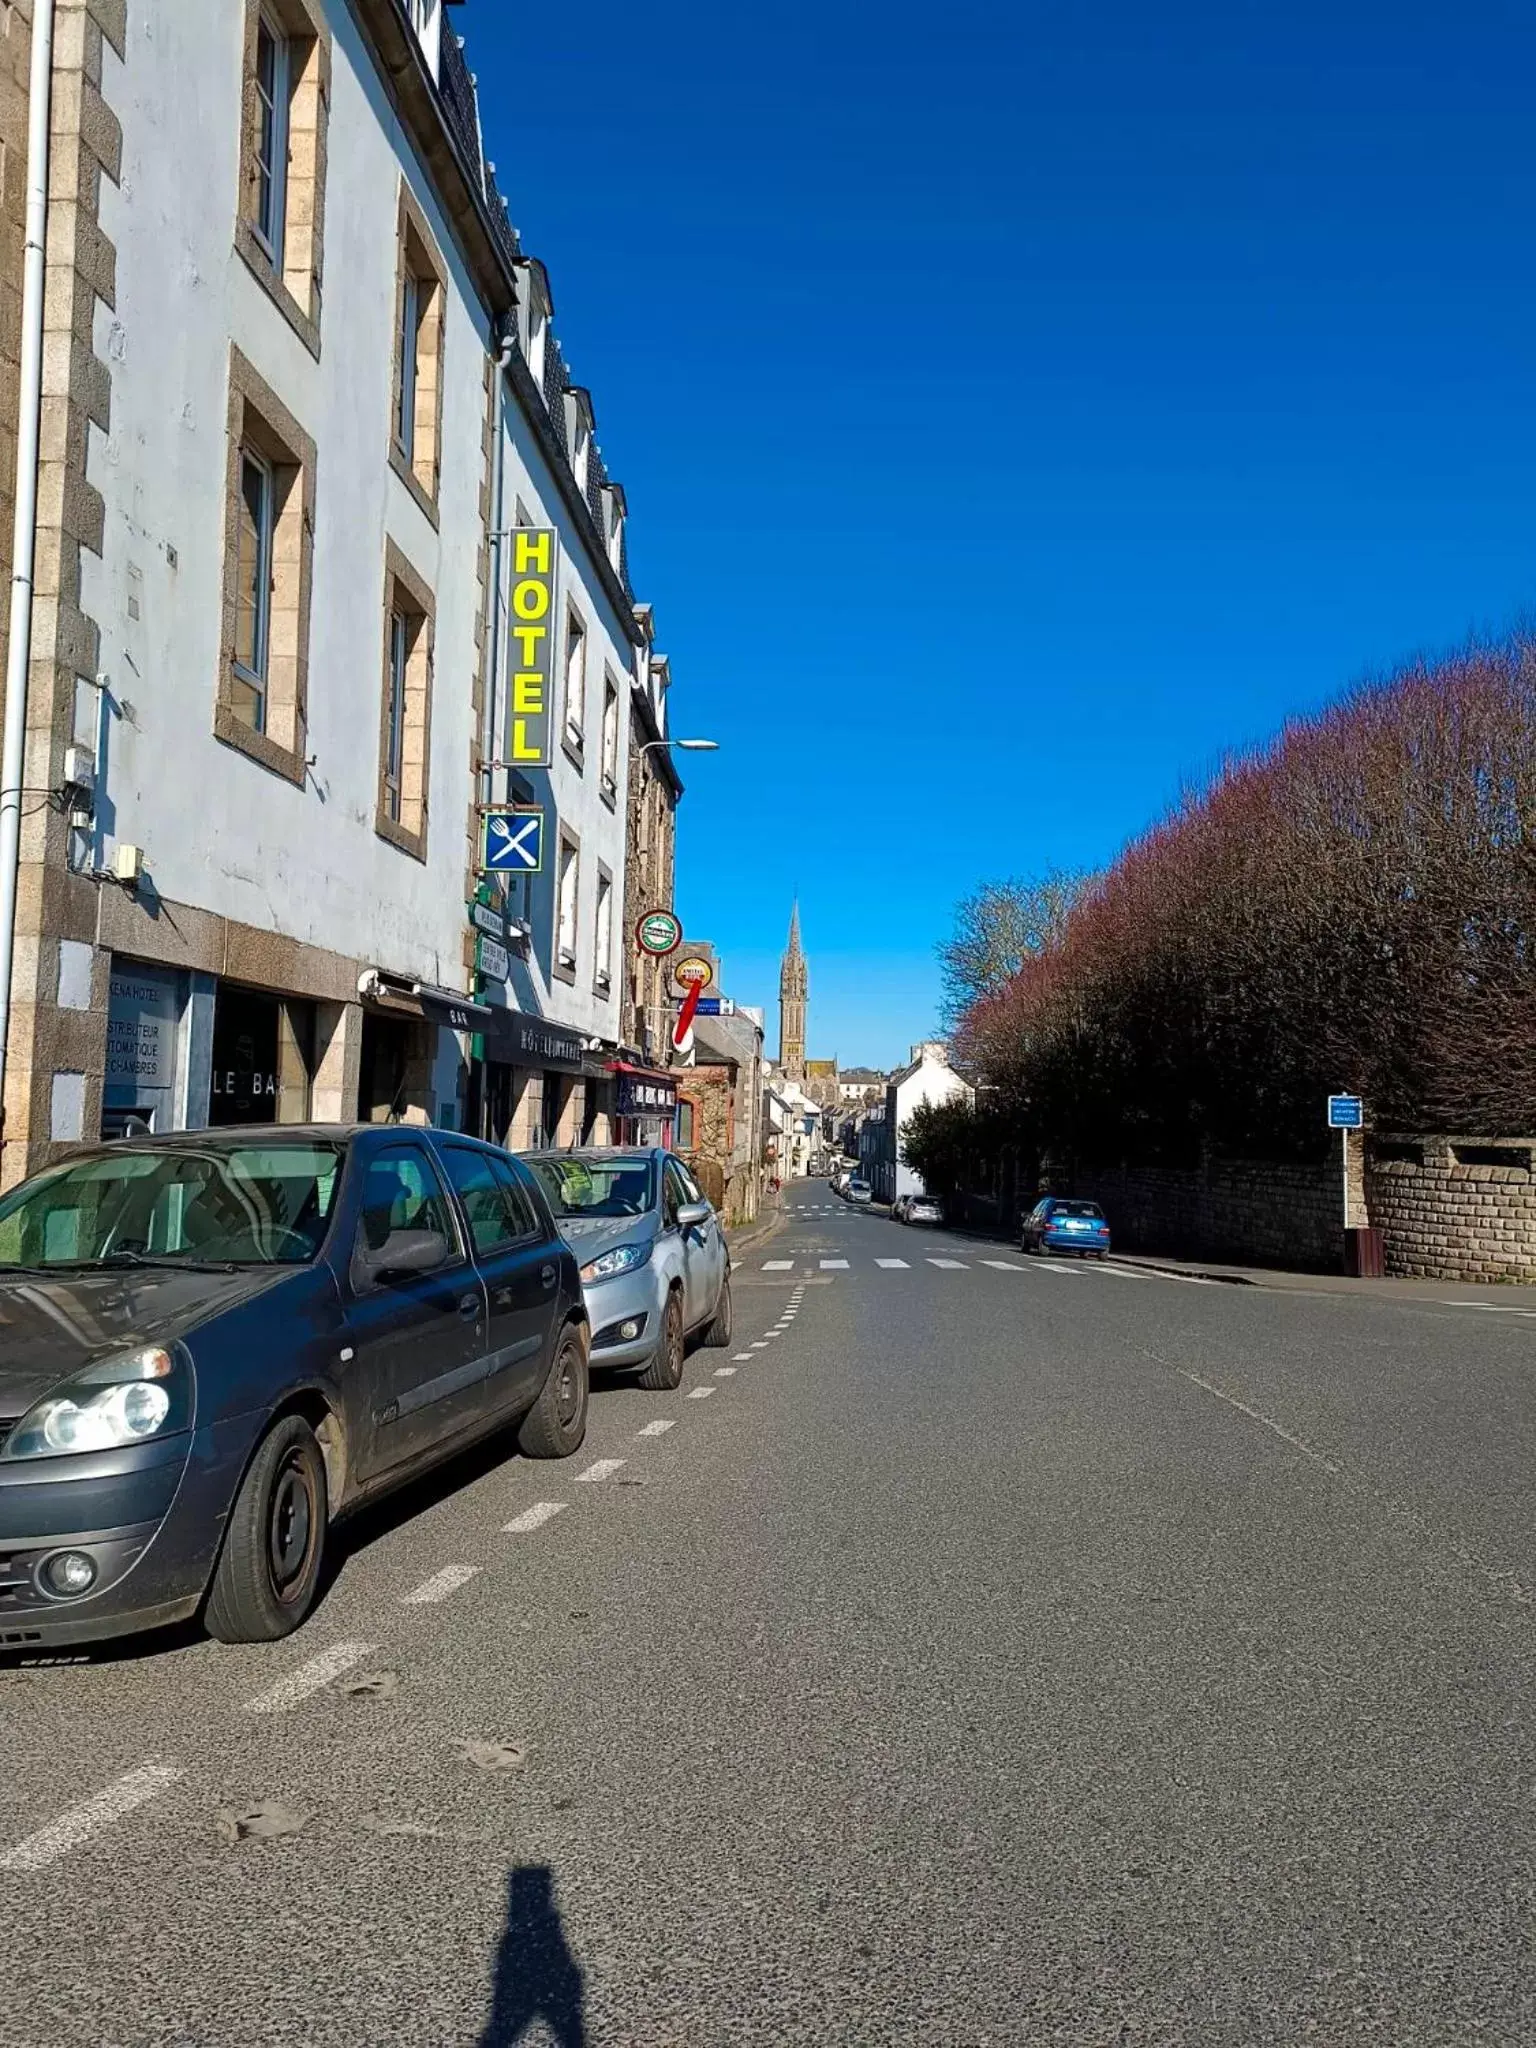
[(993, 1652)]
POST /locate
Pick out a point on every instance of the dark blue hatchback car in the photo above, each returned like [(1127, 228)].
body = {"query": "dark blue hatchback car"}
[(212, 1345)]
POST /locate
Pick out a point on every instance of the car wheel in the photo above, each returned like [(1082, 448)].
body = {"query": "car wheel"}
[(268, 1572), (556, 1423), (665, 1370), (718, 1335)]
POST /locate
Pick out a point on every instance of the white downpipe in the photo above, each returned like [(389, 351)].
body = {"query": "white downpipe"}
[(24, 533)]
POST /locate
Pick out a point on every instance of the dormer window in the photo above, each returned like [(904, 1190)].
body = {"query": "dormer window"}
[(534, 312), (427, 20), (614, 510), (581, 457), (578, 435)]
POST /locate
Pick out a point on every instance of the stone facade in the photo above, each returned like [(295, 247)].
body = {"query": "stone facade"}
[(650, 862)]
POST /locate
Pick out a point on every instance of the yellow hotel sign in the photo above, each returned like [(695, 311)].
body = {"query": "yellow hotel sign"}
[(531, 640)]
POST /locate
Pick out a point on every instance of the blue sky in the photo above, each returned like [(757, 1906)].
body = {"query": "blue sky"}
[(1020, 405)]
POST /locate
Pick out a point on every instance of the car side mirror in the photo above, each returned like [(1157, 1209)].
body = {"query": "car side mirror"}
[(692, 1214), (408, 1254)]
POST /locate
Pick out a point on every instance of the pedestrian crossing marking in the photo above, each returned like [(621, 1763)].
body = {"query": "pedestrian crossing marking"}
[(950, 1265), (834, 1265), (1003, 1265), (894, 1265), (778, 1265)]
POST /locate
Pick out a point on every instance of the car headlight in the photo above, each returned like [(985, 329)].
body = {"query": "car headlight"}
[(622, 1259), (119, 1402)]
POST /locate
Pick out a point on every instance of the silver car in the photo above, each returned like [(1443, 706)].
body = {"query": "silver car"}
[(654, 1263)]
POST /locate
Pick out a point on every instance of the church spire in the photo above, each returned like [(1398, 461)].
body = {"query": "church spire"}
[(793, 991)]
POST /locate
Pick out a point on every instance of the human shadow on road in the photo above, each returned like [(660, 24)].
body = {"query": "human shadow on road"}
[(537, 1977)]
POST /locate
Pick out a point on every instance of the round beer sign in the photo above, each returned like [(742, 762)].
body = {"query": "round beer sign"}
[(694, 972), (658, 932)]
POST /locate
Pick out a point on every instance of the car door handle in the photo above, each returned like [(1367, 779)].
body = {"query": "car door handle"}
[(469, 1306), (546, 1276)]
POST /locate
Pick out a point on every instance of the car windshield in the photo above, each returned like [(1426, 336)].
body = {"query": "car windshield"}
[(1088, 1209), (578, 1186), (243, 1205)]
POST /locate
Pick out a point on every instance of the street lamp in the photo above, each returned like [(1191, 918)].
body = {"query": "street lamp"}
[(688, 746)]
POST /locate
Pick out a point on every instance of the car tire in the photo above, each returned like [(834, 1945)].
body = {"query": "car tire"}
[(665, 1370), (557, 1422), (718, 1335), (268, 1574)]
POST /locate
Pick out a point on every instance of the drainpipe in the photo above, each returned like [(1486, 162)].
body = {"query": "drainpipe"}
[(24, 533)]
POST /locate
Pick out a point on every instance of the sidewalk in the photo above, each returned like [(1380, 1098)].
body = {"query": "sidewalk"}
[(1503, 1294)]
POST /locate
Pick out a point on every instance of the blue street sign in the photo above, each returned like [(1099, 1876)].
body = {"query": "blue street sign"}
[(1344, 1113), (512, 843)]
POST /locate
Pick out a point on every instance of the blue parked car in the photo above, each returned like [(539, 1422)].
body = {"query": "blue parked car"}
[(1055, 1225)]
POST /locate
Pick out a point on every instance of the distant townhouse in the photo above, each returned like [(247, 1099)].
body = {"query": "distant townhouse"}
[(927, 1078)]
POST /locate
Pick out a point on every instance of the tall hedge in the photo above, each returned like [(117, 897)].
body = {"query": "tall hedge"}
[(1353, 906)]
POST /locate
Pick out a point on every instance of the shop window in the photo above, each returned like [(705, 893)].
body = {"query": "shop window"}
[(279, 230)]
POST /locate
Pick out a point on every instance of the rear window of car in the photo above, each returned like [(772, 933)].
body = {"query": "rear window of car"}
[(597, 1187), (1089, 1209)]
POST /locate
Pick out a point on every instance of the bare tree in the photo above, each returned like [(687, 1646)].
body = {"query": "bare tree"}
[(998, 928)]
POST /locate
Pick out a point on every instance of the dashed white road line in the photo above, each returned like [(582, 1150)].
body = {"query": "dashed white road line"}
[(440, 1585), (759, 1345), (600, 1468), (834, 1265), (741, 1357), (657, 1428), (133, 1789), (541, 1512), (700, 1393), (1491, 1308), (894, 1265), (725, 1372), (312, 1677)]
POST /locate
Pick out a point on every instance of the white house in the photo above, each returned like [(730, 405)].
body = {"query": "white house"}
[(927, 1078)]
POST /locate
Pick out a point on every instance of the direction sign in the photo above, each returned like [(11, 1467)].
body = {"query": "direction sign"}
[(1345, 1113), (494, 961), (512, 842), (659, 933), (715, 1006)]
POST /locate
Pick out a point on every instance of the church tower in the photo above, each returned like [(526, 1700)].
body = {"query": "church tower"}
[(793, 988)]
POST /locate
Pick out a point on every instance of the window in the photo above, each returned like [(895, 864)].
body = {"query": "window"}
[(415, 440), (610, 737), (394, 712), (603, 927), (498, 1211), (581, 457), (280, 220), (565, 908), (684, 1126), (260, 703), (406, 709), (575, 682), (272, 61), (401, 1192), (616, 545), (255, 514)]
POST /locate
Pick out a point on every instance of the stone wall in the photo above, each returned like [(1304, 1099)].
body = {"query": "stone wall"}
[(1233, 1209), (1455, 1208)]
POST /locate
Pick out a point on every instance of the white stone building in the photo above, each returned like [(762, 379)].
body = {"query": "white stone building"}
[(270, 654), (927, 1078)]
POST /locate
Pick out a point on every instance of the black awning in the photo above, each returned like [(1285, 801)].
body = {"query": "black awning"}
[(517, 1039)]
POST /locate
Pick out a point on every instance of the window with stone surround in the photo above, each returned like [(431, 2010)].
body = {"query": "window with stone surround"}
[(416, 417), (567, 897), (405, 711), (575, 721), (268, 541), (279, 227), (610, 778), (602, 944)]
